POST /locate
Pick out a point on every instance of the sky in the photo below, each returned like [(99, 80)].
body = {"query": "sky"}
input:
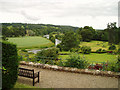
[(80, 13)]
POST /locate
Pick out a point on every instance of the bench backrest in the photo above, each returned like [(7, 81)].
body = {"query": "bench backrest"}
[(26, 72)]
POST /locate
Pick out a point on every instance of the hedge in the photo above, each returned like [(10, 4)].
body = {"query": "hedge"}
[(10, 62)]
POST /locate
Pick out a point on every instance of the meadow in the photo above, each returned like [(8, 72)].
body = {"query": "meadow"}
[(31, 42), (94, 57), (95, 45)]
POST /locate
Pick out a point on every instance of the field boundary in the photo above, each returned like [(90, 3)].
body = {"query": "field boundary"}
[(73, 70)]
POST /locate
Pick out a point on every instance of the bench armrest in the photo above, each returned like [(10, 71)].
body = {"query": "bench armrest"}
[(36, 72)]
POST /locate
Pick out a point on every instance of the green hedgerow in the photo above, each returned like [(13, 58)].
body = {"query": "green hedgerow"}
[(10, 62)]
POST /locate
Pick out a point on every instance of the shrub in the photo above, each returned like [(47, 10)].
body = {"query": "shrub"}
[(47, 56), (114, 66), (112, 47), (86, 49), (74, 50), (10, 62), (59, 46), (104, 50), (23, 50), (76, 61), (118, 51), (100, 51)]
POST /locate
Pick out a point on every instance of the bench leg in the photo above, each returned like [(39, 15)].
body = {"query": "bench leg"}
[(38, 77), (33, 81)]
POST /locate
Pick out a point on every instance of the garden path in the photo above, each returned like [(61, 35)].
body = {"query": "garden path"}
[(60, 79)]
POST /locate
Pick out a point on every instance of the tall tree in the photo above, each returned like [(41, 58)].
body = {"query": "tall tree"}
[(112, 33), (69, 41), (86, 35)]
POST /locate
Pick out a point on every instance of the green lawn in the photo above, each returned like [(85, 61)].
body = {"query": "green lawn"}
[(20, 85), (95, 57), (95, 45), (31, 42)]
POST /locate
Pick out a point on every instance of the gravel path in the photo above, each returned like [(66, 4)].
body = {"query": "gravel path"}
[(57, 79)]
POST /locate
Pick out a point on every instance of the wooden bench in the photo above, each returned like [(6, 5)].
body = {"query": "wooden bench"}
[(29, 73)]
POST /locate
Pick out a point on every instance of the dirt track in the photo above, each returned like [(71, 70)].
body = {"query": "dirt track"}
[(57, 79)]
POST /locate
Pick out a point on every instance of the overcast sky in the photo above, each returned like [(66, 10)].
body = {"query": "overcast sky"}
[(95, 13)]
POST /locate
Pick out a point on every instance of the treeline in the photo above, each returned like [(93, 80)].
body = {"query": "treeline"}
[(23, 29), (87, 33)]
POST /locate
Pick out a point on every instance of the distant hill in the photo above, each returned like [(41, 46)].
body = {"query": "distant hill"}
[(21, 29)]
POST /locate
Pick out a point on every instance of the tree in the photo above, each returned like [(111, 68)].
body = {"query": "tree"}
[(112, 32), (52, 38), (69, 41), (86, 35)]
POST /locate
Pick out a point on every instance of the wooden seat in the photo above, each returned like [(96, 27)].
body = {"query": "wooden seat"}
[(29, 73)]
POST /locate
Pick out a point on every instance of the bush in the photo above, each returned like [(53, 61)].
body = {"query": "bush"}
[(23, 50), (10, 62), (114, 66), (86, 49), (76, 61), (104, 50), (47, 56), (100, 51), (59, 46), (118, 51), (74, 50), (112, 47)]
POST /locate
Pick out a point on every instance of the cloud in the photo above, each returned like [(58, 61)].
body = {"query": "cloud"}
[(65, 12), (29, 17), (93, 8)]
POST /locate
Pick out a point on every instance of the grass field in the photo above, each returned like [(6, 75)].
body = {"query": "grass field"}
[(20, 85), (95, 45), (31, 42), (94, 57)]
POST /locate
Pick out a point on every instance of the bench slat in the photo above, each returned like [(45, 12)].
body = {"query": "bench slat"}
[(28, 73)]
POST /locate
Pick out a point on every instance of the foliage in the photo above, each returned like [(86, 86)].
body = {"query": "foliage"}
[(86, 35), (45, 56), (30, 33), (112, 47), (23, 29), (76, 61), (86, 49), (10, 62), (74, 49), (101, 50), (118, 51), (4, 38), (69, 41), (59, 46), (23, 50), (52, 38), (113, 33), (58, 36), (114, 66)]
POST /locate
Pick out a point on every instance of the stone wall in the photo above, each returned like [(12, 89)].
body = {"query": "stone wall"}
[(73, 70)]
